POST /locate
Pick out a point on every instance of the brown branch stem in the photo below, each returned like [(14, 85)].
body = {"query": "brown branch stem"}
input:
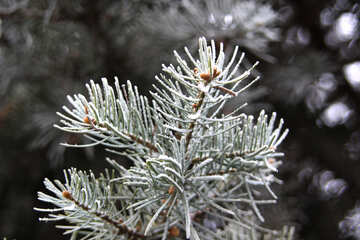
[(225, 90), (122, 229), (142, 142)]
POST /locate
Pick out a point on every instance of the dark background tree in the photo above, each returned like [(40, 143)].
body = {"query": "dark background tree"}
[(310, 69)]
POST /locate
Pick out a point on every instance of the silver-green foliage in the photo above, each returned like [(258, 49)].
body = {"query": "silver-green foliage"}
[(191, 162)]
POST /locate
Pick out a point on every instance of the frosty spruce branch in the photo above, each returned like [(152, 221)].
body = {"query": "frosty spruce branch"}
[(197, 173)]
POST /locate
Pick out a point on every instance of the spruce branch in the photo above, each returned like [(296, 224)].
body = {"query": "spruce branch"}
[(121, 229), (120, 122), (87, 203), (190, 160)]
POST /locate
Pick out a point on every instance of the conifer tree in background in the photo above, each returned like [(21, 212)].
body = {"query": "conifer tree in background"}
[(250, 24), (197, 173)]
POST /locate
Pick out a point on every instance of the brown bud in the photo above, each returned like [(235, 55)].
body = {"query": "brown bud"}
[(205, 76), (216, 72), (196, 70), (86, 120), (171, 190), (67, 195), (174, 231)]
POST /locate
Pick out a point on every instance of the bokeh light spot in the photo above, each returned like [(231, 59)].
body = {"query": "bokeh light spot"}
[(352, 74), (336, 114), (345, 26)]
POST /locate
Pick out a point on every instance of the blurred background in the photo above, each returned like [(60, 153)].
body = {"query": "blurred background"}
[(309, 53)]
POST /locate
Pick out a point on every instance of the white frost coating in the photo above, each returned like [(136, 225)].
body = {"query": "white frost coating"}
[(170, 159), (212, 99), (203, 88), (70, 207), (165, 157), (208, 178), (194, 116)]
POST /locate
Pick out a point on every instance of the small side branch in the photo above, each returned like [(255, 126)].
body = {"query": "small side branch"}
[(232, 155), (142, 142), (122, 229), (207, 78), (229, 155), (192, 124), (225, 90)]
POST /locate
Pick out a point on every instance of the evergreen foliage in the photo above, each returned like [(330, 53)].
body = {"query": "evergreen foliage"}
[(197, 173)]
